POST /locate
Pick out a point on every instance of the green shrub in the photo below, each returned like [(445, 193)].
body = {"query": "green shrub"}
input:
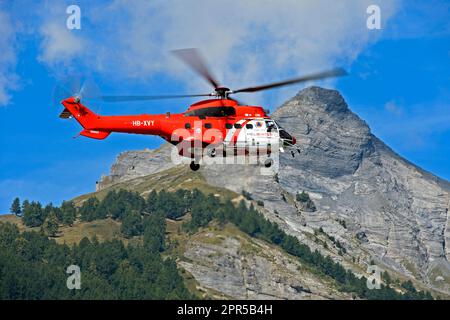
[(302, 197)]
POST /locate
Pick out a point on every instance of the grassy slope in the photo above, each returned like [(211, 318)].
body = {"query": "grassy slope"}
[(180, 177), (103, 229)]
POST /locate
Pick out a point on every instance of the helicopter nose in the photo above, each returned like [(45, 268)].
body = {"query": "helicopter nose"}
[(294, 140)]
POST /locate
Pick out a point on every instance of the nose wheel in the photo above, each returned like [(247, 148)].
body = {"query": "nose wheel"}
[(194, 166), (212, 152), (268, 163)]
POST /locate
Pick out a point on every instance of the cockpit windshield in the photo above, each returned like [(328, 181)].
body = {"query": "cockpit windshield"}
[(284, 135), (273, 125), (278, 125)]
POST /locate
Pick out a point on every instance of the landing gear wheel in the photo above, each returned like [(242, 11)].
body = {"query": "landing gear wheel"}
[(268, 163), (212, 152), (194, 166)]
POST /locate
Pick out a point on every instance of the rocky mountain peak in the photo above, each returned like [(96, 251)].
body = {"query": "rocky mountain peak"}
[(333, 139), (326, 100)]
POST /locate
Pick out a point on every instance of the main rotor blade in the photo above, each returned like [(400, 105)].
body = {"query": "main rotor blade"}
[(75, 85), (315, 76), (60, 93), (89, 90), (193, 59), (145, 98)]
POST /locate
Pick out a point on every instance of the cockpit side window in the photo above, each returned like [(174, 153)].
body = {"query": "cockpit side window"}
[(270, 126)]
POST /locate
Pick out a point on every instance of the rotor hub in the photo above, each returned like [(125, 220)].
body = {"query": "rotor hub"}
[(223, 92)]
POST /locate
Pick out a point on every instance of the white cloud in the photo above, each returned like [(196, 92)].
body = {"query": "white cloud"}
[(245, 42), (8, 59), (59, 45)]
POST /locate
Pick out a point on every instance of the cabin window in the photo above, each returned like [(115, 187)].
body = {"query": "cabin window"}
[(237, 125), (249, 126), (228, 125), (212, 112), (270, 126), (208, 125), (187, 125)]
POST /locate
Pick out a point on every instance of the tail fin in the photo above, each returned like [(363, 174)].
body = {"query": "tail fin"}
[(82, 114), (87, 118)]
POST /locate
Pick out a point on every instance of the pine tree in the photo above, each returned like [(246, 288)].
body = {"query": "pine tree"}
[(50, 226), (131, 224), (47, 209), (387, 278), (15, 207), (150, 203), (154, 231), (69, 212), (33, 215), (25, 205), (88, 211)]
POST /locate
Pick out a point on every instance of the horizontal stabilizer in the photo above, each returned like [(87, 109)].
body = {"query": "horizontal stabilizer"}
[(95, 134)]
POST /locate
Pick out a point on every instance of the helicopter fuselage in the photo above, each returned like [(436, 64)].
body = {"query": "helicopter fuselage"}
[(214, 122)]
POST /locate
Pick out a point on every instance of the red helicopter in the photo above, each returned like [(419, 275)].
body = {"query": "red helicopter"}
[(212, 126)]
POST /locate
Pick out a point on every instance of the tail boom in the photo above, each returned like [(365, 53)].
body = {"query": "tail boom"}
[(99, 127)]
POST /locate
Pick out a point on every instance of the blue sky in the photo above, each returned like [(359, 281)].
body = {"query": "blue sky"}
[(399, 79)]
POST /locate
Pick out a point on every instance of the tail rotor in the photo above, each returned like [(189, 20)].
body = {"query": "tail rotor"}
[(80, 88)]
